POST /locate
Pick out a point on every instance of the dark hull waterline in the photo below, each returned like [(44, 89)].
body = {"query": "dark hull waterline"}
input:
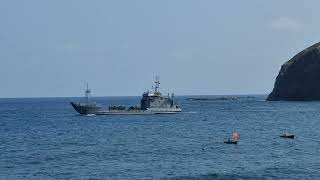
[(99, 110), (231, 142)]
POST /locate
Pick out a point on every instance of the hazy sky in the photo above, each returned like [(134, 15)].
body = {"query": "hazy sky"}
[(52, 48)]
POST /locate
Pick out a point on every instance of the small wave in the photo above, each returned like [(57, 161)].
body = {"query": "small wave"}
[(214, 177), (34, 162), (189, 112)]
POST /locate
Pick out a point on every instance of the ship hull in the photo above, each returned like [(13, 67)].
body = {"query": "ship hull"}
[(99, 110)]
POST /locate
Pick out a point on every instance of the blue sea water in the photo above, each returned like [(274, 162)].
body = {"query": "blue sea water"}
[(44, 138)]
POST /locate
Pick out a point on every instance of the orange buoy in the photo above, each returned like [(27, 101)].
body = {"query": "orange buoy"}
[(235, 136)]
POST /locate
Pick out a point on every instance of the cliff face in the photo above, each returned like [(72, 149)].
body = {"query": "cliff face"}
[(299, 78)]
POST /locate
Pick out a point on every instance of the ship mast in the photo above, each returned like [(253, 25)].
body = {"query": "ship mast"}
[(88, 94), (157, 82)]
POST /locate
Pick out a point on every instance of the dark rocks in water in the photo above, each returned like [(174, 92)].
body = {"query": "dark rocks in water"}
[(299, 78), (220, 98), (213, 99), (223, 98)]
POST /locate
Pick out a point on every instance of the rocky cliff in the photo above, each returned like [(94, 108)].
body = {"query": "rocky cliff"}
[(299, 78)]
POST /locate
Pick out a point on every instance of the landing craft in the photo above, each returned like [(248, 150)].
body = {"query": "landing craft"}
[(152, 102)]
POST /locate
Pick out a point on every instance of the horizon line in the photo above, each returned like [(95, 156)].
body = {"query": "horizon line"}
[(35, 97)]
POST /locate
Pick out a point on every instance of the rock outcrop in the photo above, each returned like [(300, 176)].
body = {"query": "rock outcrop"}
[(299, 78)]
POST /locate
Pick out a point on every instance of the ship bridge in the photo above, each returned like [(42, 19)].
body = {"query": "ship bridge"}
[(156, 100)]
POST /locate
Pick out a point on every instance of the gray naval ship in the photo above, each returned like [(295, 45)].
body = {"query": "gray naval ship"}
[(152, 102)]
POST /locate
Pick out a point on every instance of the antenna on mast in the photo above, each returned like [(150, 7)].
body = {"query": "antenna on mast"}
[(88, 93), (157, 82)]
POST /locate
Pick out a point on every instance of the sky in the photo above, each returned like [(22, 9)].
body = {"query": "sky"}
[(197, 47)]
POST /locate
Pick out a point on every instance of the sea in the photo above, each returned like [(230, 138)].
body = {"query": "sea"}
[(45, 139)]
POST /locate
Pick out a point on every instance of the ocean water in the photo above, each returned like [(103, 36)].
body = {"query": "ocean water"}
[(44, 138)]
